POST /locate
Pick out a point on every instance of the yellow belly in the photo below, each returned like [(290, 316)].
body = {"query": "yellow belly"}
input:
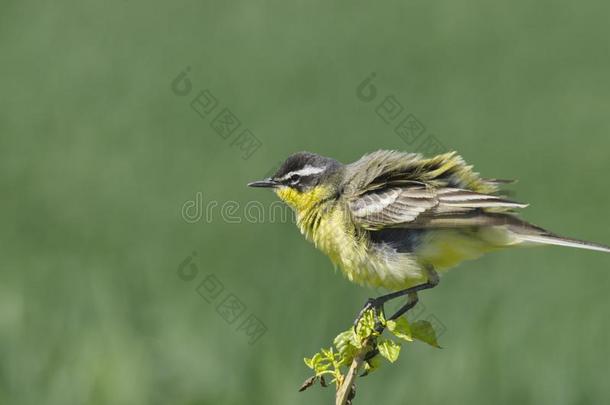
[(361, 261), (446, 248)]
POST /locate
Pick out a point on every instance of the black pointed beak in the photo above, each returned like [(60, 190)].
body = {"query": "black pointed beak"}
[(267, 183)]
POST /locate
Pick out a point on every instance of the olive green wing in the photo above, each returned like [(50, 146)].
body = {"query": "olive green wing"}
[(396, 189), (427, 207), (386, 168)]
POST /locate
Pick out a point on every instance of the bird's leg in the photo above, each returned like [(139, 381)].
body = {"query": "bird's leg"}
[(377, 303), (432, 282), (411, 302)]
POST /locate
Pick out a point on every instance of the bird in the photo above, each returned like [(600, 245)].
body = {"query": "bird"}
[(397, 220)]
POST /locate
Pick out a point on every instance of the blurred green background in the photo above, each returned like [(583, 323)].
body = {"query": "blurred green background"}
[(99, 156)]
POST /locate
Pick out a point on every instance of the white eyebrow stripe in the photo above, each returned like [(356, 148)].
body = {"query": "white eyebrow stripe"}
[(305, 171)]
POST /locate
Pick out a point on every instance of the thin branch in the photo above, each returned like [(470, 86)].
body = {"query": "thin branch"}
[(345, 389)]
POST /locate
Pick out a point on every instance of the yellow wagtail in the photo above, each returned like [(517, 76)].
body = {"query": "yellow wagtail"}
[(394, 219)]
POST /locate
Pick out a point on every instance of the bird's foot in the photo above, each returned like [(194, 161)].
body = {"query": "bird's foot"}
[(377, 307)]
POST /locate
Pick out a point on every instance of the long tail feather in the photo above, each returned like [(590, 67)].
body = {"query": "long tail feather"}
[(550, 239)]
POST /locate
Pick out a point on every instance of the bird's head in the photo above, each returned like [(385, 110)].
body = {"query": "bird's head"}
[(304, 179)]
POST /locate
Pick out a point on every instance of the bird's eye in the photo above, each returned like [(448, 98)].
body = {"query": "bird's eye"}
[(294, 179)]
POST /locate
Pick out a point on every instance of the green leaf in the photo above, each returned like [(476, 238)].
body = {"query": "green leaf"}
[(343, 339), (316, 359), (308, 362), (388, 349), (346, 348), (401, 329), (423, 331), (365, 325)]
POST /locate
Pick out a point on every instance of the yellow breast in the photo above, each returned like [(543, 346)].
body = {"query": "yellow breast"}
[(323, 223), (328, 226)]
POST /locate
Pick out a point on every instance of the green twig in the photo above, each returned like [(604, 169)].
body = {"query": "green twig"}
[(346, 358)]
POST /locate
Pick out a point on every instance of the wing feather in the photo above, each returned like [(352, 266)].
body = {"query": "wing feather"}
[(419, 206), (393, 189)]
